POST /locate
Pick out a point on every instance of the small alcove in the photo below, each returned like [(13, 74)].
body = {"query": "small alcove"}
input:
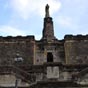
[(49, 57)]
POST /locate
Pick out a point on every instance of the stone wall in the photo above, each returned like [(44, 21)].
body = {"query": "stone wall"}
[(43, 48), (10, 80), (76, 49), (10, 46)]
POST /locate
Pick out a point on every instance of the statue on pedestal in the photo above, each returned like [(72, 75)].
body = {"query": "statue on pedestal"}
[(47, 11)]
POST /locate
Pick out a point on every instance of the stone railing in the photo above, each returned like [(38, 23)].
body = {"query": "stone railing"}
[(48, 71)]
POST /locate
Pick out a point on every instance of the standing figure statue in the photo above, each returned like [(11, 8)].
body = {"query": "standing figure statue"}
[(47, 11)]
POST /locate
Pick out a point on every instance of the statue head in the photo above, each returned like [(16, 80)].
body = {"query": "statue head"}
[(47, 6)]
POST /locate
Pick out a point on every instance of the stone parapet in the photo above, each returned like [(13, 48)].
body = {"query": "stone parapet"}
[(16, 38), (76, 37)]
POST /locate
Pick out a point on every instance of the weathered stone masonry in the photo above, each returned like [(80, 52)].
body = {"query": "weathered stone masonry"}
[(47, 63)]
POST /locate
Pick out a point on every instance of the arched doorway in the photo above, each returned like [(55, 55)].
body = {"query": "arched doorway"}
[(49, 57)]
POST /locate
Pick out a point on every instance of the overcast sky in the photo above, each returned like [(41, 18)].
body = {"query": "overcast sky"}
[(25, 17)]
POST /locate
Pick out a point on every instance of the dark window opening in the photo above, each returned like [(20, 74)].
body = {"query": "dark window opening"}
[(49, 57)]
